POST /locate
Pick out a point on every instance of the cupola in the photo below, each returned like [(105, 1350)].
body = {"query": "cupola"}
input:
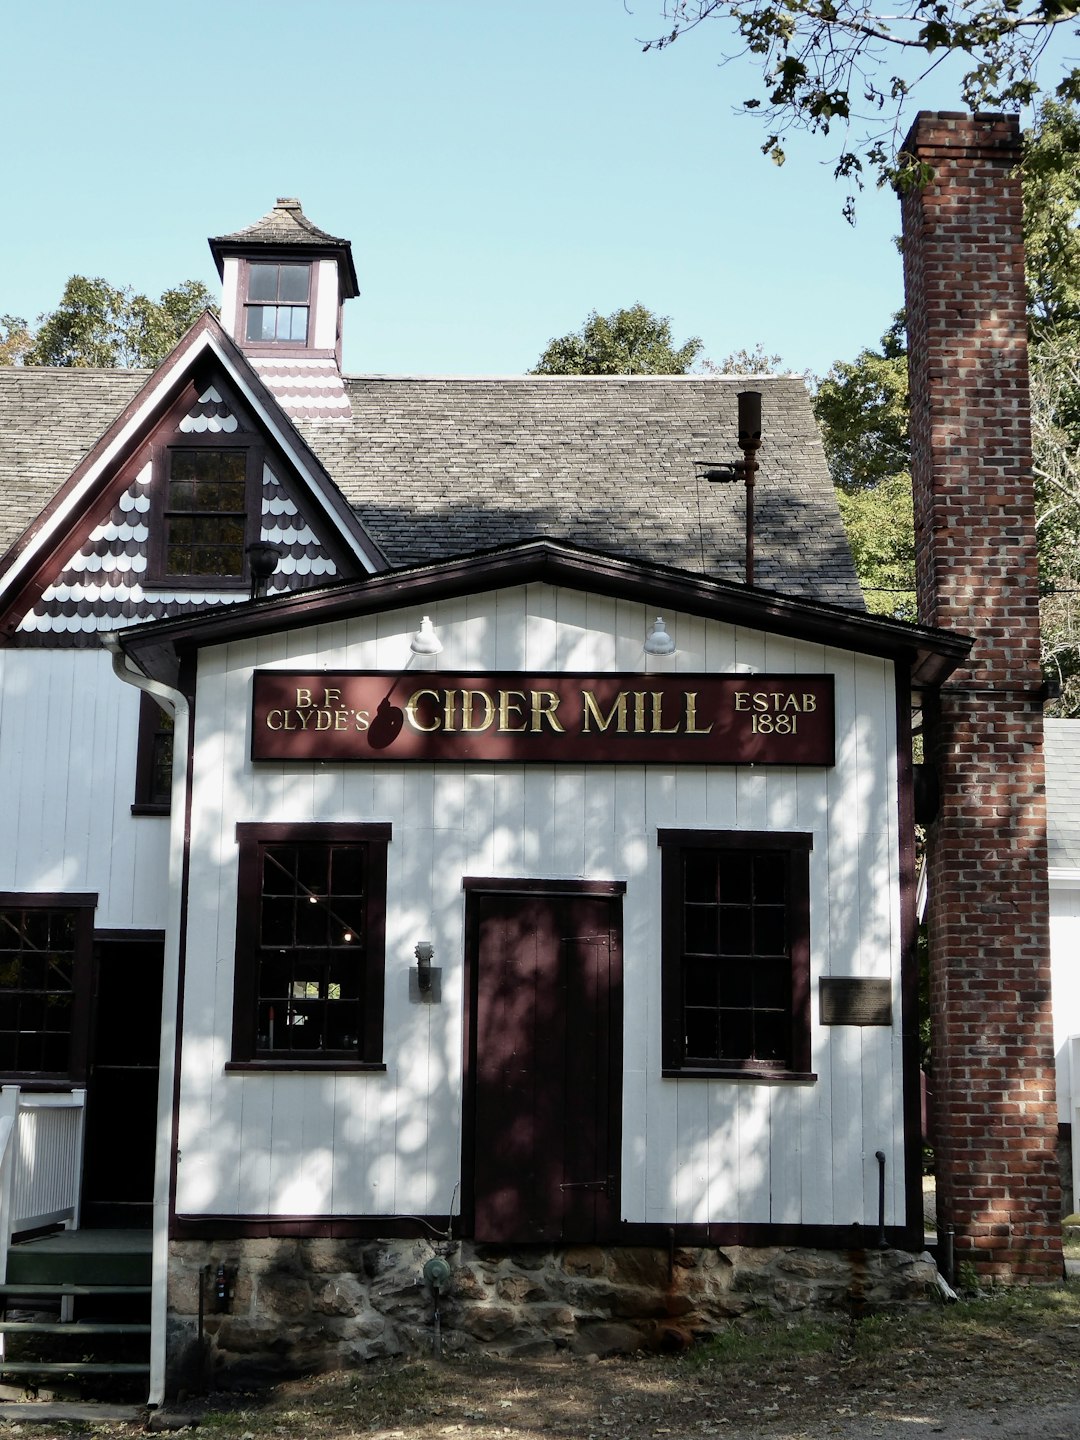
[(284, 283)]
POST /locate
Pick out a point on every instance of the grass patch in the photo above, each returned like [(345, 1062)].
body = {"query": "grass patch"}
[(766, 1340)]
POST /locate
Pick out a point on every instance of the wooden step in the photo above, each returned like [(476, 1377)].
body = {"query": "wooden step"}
[(74, 1367), (71, 1327), (15, 1291)]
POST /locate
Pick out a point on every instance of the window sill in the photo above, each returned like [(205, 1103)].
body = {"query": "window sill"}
[(690, 1072), (138, 809), (250, 1067)]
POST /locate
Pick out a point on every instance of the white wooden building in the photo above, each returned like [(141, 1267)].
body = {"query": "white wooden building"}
[(523, 877)]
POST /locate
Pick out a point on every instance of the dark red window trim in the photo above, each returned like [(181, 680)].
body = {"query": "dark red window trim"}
[(82, 904), (158, 575), (253, 837), (297, 347), (153, 789), (675, 846)]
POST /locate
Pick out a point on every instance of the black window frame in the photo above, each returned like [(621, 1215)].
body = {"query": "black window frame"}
[(254, 839), (159, 574), (81, 907), (248, 304), (676, 846)]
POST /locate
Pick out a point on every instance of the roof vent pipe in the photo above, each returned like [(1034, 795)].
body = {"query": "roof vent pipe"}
[(746, 468)]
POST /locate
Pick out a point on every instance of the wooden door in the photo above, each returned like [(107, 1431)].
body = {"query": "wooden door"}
[(544, 1065)]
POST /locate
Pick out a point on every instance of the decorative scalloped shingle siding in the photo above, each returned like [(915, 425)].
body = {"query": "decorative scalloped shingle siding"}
[(305, 389), (102, 585)]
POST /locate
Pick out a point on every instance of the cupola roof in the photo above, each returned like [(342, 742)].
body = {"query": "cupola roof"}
[(286, 227)]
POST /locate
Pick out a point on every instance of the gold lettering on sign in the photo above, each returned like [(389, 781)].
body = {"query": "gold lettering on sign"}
[(544, 705), (593, 712), (512, 702), (468, 700), (692, 727), (411, 711)]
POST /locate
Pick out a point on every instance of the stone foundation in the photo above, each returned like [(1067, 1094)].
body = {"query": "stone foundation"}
[(310, 1305)]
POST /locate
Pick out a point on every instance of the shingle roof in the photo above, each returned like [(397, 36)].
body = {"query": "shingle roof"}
[(443, 467), (1062, 748), (49, 419), (437, 467), (287, 225)]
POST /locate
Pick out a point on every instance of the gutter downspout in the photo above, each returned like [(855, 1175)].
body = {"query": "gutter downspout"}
[(176, 704)]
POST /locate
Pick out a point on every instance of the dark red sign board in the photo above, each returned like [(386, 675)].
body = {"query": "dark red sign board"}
[(509, 717)]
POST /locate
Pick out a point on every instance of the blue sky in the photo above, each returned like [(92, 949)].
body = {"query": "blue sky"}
[(502, 167)]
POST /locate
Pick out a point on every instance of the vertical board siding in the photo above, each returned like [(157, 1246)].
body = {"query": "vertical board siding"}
[(693, 1150), (68, 739)]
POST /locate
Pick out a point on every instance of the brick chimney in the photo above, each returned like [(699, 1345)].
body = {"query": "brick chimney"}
[(995, 1115)]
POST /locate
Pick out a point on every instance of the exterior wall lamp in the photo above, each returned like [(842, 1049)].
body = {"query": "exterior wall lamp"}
[(425, 641), (263, 560), (424, 980), (658, 641)]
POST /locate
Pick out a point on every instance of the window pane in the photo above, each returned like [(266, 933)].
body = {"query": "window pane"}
[(700, 983), (293, 282), (735, 870), (702, 1035), (737, 984), (737, 1034), (735, 930), (770, 931), (262, 282), (700, 876), (770, 879), (772, 985), (700, 930), (771, 1036)]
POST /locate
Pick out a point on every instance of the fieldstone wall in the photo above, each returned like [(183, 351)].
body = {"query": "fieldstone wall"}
[(298, 1306)]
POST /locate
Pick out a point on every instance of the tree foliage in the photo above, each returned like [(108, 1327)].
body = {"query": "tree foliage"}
[(99, 325), (633, 341), (745, 362), (846, 68), (15, 339)]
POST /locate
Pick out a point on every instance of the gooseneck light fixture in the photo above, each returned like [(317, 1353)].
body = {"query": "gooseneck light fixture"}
[(425, 641), (658, 641)]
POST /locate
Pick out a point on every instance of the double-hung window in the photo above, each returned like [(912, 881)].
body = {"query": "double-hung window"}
[(309, 949), (278, 303), (736, 952), (205, 512)]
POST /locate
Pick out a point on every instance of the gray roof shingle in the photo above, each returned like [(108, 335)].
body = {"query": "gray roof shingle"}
[(441, 467), (436, 467), (49, 419), (1062, 748)]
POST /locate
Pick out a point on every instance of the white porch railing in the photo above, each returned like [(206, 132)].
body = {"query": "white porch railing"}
[(41, 1148)]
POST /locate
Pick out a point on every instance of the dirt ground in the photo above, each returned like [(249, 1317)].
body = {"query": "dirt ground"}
[(1000, 1368)]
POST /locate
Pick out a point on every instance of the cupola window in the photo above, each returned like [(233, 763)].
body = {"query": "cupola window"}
[(278, 299)]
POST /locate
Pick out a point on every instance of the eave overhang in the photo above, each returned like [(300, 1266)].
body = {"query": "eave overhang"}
[(929, 655), (52, 527)]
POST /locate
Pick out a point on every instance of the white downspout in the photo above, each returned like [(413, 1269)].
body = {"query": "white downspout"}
[(176, 704)]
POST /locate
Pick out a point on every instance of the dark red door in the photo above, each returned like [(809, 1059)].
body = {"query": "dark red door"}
[(545, 1065)]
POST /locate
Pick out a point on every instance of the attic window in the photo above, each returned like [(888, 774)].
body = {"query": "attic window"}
[(206, 510), (278, 297)]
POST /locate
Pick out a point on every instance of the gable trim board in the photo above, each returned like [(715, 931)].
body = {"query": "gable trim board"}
[(930, 654), (58, 524)]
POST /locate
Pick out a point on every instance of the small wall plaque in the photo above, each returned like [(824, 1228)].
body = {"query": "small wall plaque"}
[(855, 1001)]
